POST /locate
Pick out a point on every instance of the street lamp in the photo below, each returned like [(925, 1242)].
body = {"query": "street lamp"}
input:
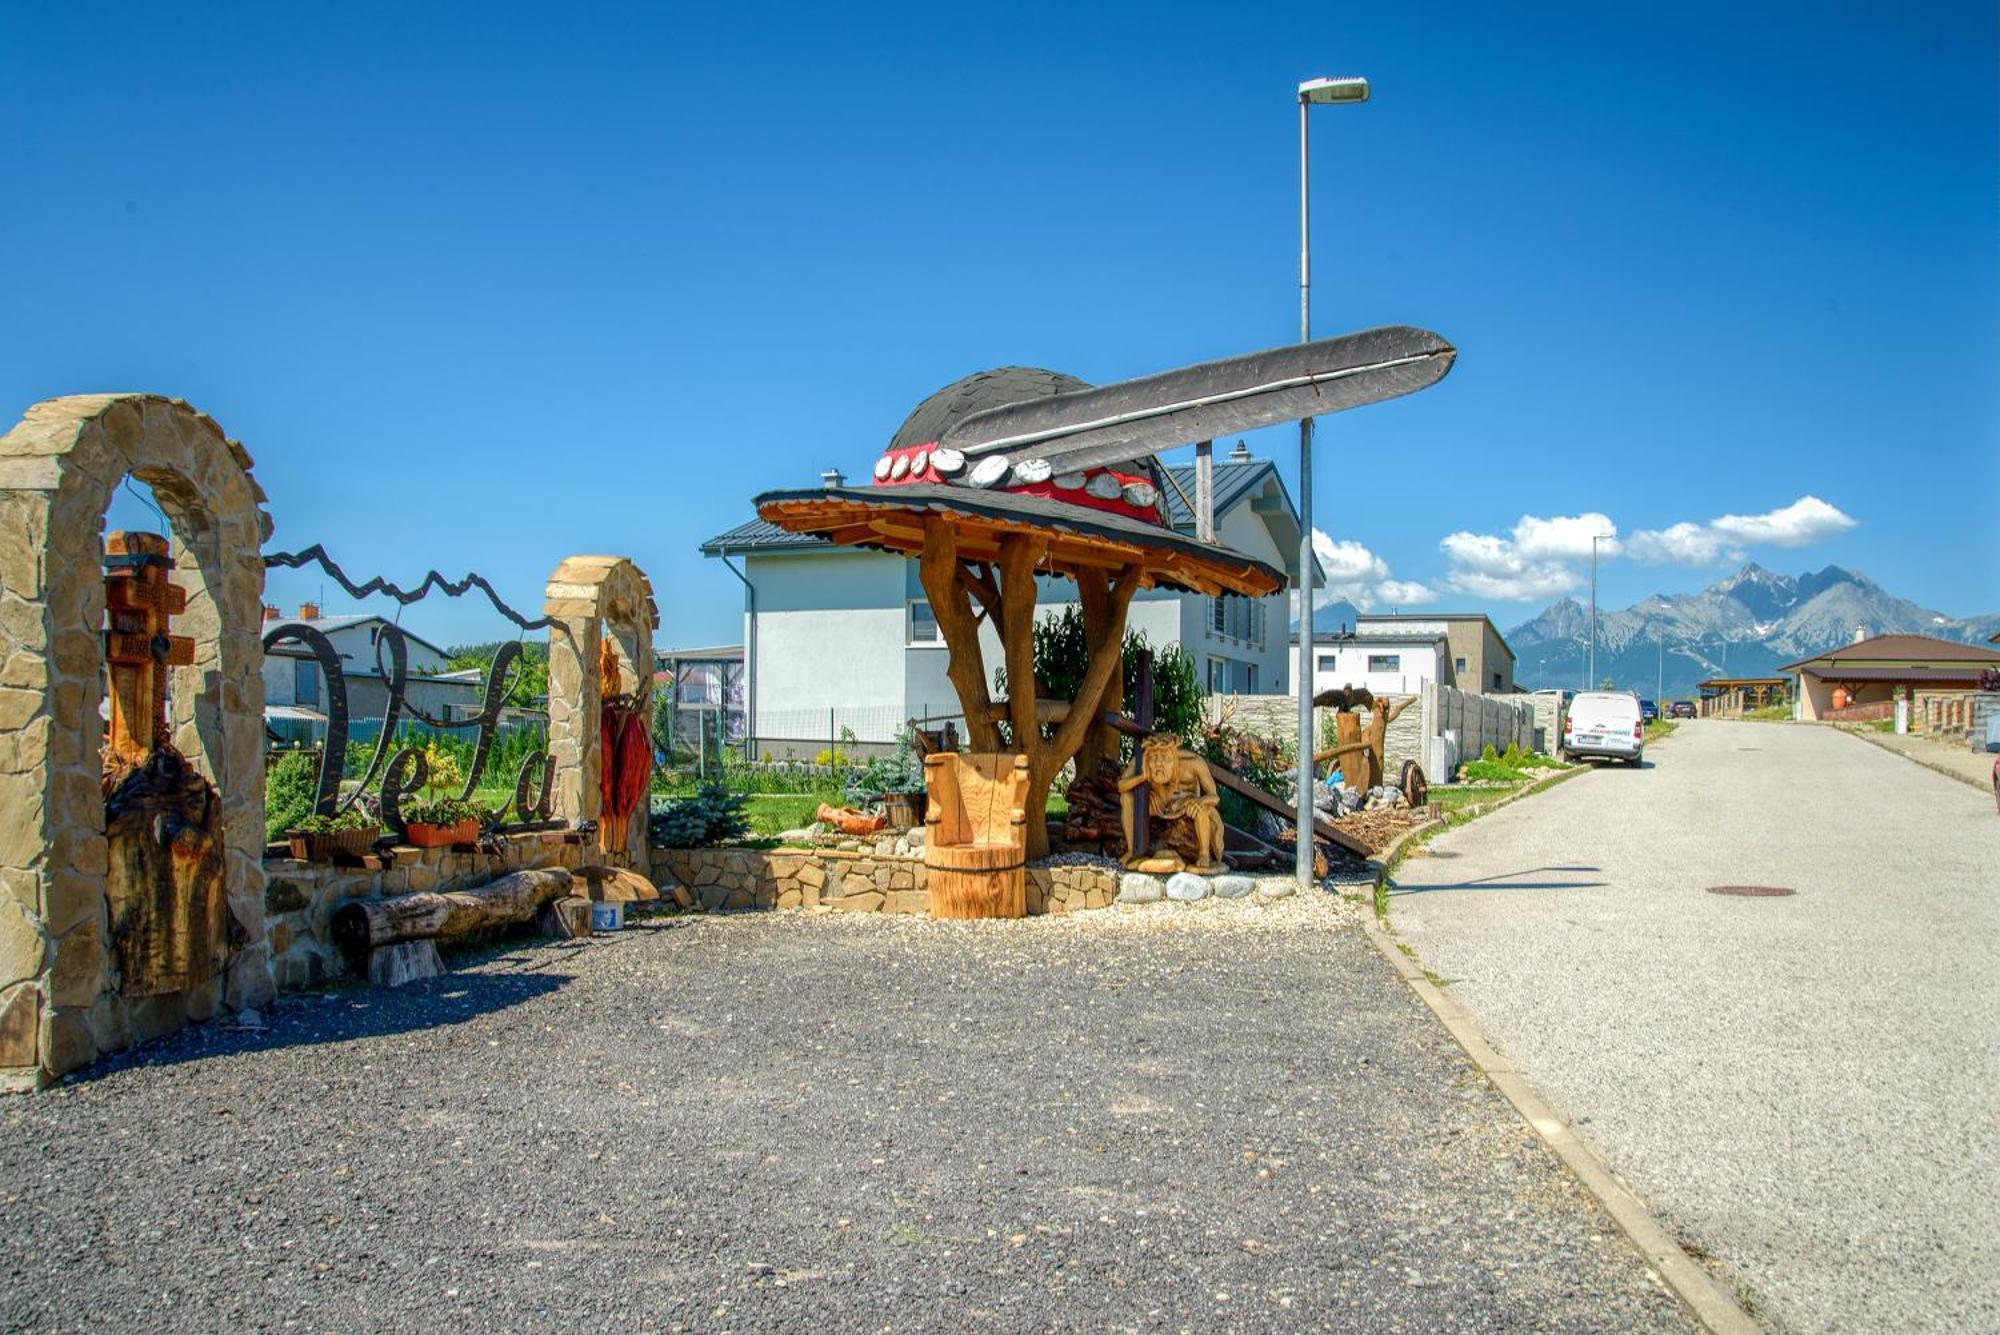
[(1311, 92)]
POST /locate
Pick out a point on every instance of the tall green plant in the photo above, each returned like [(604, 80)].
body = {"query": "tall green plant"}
[(289, 787), (1062, 656)]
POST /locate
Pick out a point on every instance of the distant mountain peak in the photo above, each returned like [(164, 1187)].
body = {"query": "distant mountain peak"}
[(1744, 625)]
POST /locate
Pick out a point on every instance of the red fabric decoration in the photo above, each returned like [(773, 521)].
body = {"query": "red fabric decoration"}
[(626, 762)]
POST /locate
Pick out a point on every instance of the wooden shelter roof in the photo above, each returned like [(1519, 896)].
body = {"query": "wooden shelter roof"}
[(892, 519)]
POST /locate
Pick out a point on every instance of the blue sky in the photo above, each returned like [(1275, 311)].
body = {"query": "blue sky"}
[(481, 288)]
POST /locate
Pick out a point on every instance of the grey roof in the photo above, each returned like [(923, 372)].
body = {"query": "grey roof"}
[(705, 653), (1233, 481), (328, 625)]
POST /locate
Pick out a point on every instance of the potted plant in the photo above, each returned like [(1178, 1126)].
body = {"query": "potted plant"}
[(895, 781), (318, 838), (438, 822)]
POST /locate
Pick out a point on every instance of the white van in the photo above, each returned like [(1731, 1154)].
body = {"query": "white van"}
[(1604, 723)]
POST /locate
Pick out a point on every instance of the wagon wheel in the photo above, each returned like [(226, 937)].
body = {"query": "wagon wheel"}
[(1413, 784)]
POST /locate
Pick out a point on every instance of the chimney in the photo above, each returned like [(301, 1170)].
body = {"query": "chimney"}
[(832, 477), (1241, 454), (308, 611), (1860, 634), (271, 613)]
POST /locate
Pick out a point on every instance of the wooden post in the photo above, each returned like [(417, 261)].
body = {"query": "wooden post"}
[(137, 648), (1142, 714)]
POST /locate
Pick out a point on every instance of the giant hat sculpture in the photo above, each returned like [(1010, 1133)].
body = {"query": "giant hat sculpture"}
[(1016, 473)]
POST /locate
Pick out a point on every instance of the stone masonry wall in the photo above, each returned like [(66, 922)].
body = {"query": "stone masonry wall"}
[(300, 897), (865, 877)]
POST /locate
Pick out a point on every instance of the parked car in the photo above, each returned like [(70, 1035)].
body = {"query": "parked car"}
[(1649, 712), (1681, 709), (1604, 723)]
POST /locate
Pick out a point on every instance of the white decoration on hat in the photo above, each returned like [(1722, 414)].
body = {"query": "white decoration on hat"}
[(989, 472)]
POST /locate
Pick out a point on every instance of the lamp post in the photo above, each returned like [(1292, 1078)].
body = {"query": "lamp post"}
[(1590, 683), (1311, 92)]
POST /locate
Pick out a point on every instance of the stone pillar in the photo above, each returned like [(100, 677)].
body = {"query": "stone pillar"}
[(59, 1000), (595, 600)]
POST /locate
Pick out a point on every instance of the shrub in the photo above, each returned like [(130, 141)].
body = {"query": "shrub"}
[(710, 816), (441, 811), (354, 818), (289, 788), (1513, 756), (1062, 656), (1488, 770), (1267, 764), (901, 772), (1489, 753)]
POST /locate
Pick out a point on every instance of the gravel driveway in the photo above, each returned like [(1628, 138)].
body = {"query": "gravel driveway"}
[(1805, 1087), (1212, 1118)]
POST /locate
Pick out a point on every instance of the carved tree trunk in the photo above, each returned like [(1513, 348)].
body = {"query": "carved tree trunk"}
[(1008, 595), (362, 925)]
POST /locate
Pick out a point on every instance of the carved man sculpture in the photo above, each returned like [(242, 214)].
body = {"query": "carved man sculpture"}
[(1178, 787)]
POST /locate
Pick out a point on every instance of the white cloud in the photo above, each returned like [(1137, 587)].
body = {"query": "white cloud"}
[(1806, 520), (1405, 593), (1529, 564), (1357, 575), (1724, 538)]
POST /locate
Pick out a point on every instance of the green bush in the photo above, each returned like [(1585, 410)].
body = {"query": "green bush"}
[(1270, 765), (1489, 753), (289, 787), (900, 772), (1513, 756), (1062, 656), (354, 818), (1489, 770), (712, 815), (441, 811)]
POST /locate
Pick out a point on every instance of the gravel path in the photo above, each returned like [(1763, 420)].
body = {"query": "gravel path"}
[(1215, 1118), (1806, 1086)]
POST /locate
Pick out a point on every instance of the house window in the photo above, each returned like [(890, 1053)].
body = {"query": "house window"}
[(305, 683), (697, 686), (1496, 681), (1458, 666), (1329, 662), (1218, 675), (1385, 662), (1218, 614), (923, 625), (1250, 680)]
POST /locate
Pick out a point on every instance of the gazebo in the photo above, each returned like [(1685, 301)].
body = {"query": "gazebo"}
[(1016, 474)]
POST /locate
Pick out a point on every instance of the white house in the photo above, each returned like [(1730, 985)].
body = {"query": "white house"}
[(840, 641), (1385, 662), (295, 694)]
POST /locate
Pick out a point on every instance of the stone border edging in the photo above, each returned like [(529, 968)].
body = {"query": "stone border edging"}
[(1914, 760), (1710, 1305)]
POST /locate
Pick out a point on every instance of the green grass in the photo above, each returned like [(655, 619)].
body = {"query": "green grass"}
[(771, 813), (1660, 728), (1771, 714), (1451, 800)]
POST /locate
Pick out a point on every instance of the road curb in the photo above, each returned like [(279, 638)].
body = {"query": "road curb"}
[(1706, 1300)]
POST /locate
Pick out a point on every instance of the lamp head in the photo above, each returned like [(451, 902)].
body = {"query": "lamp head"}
[(1334, 90)]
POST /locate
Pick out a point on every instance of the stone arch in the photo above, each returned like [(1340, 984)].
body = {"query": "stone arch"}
[(58, 468), (595, 600)]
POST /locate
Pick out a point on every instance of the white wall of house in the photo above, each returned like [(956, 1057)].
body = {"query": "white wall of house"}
[(1392, 667), (829, 635), (1248, 656)]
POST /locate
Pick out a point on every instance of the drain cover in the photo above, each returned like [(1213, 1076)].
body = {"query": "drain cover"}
[(1752, 891)]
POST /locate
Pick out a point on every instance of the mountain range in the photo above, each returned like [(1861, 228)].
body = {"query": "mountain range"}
[(1742, 626)]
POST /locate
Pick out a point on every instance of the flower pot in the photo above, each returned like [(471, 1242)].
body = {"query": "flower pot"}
[(442, 836), (904, 810), (322, 847)]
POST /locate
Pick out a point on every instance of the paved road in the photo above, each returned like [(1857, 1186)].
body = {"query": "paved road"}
[(1808, 1088), (1218, 1118)]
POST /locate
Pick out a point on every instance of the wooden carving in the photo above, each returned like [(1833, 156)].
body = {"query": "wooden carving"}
[(1176, 788)]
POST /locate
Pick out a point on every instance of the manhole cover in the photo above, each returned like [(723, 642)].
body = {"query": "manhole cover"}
[(1752, 891)]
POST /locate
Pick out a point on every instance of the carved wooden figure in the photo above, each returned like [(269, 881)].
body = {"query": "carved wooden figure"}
[(1171, 785)]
